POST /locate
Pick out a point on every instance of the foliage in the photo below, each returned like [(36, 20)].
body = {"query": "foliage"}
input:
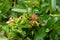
[(29, 20)]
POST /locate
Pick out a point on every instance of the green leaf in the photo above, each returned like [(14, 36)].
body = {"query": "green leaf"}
[(0, 11), (6, 6), (57, 27), (40, 34), (53, 4), (19, 10), (52, 20)]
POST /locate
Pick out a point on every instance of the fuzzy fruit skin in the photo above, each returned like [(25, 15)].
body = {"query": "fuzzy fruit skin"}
[(34, 17)]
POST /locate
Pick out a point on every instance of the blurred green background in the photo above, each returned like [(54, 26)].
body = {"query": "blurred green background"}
[(29, 19)]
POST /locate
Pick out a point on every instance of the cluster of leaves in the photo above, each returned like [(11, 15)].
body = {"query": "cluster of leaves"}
[(29, 20)]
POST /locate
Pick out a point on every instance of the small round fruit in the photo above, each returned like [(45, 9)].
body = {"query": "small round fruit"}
[(34, 17)]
